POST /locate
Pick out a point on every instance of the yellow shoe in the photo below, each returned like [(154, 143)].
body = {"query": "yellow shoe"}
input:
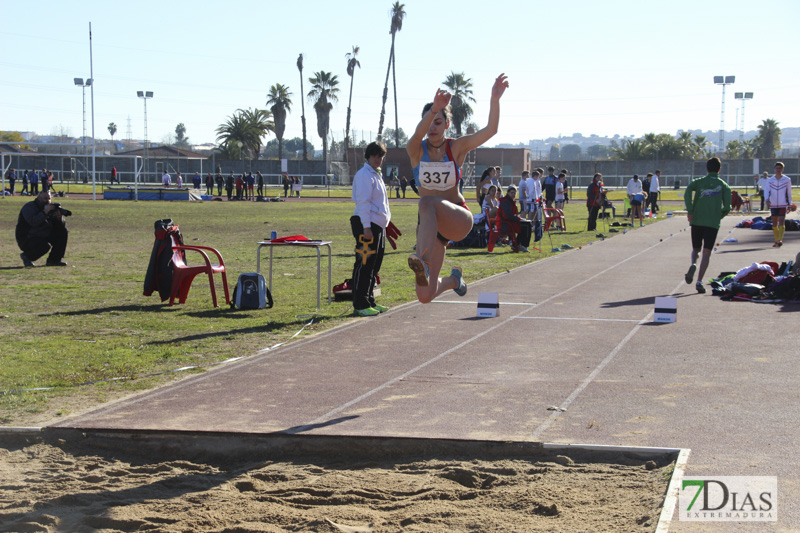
[(369, 311)]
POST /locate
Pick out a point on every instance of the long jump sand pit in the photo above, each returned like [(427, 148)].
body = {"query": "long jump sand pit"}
[(68, 480)]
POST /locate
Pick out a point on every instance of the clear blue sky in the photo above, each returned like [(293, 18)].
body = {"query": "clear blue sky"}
[(623, 67)]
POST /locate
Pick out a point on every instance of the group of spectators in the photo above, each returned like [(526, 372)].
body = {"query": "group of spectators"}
[(642, 194), (539, 188), (401, 184), (514, 221), (291, 184), (30, 181), (535, 187), (244, 186)]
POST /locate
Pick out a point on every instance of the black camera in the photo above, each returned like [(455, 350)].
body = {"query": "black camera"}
[(65, 212)]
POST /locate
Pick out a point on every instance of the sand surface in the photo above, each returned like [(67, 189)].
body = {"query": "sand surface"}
[(66, 486)]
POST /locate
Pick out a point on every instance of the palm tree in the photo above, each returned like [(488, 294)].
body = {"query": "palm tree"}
[(735, 150), (461, 89), (769, 138), (247, 127), (635, 150), (701, 147), (687, 144), (279, 100), (352, 63), (262, 123), (651, 144), (112, 129), (323, 91), (397, 14), (302, 106), (664, 146), (229, 134), (180, 135)]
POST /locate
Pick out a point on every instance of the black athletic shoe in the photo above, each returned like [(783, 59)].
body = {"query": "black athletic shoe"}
[(699, 287), (690, 274), (56, 264), (25, 261)]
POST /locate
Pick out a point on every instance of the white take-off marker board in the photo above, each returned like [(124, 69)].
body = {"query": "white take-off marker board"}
[(488, 305), (666, 309)]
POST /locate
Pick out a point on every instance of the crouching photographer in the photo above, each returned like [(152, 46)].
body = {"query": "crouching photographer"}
[(41, 227)]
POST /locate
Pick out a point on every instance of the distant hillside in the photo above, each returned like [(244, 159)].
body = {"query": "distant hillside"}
[(540, 148)]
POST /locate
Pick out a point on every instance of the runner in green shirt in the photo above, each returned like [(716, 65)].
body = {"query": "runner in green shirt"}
[(707, 200)]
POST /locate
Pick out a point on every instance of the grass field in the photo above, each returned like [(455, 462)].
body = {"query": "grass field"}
[(65, 327)]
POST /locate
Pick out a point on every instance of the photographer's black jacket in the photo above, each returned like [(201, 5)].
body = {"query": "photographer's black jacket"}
[(33, 222)]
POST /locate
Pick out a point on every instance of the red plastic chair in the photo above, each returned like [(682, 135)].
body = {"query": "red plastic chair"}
[(551, 214), (183, 274)]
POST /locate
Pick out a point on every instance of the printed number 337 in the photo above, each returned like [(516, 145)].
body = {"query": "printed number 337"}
[(435, 177)]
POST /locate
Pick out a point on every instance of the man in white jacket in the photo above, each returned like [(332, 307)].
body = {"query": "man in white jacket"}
[(779, 198), (369, 221), (655, 188)]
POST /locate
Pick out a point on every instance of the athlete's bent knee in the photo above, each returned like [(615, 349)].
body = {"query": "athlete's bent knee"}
[(424, 297)]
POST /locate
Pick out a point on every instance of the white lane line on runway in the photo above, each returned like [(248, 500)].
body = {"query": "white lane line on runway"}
[(327, 416), (476, 303), (537, 434), (330, 414), (578, 319)]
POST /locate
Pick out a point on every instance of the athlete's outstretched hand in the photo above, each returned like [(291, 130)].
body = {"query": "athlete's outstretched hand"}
[(500, 86), (440, 101)]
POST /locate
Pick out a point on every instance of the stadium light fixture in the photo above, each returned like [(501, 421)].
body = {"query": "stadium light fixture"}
[(80, 83), (723, 80), (144, 95), (743, 97)]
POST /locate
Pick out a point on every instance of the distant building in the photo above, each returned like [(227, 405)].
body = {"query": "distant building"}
[(165, 152)]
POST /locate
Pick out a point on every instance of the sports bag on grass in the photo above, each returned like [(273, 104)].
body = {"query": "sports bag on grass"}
[(251, 292)]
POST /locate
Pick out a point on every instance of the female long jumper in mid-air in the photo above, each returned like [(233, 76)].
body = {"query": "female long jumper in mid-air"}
[(443, 213)]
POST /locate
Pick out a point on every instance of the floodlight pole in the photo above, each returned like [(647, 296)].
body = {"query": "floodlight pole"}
[(94, 143), (83, 85), (144, 95), (743, 97), (723, 80)]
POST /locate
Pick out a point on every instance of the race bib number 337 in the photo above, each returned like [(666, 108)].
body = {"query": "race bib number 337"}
[(438, 176)]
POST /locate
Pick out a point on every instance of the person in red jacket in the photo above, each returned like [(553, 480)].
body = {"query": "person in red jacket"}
[(239, 186), (510, 221), (594, 200)]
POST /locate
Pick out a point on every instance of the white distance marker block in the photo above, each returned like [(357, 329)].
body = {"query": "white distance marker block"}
[(666, 309), (488, 305)]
